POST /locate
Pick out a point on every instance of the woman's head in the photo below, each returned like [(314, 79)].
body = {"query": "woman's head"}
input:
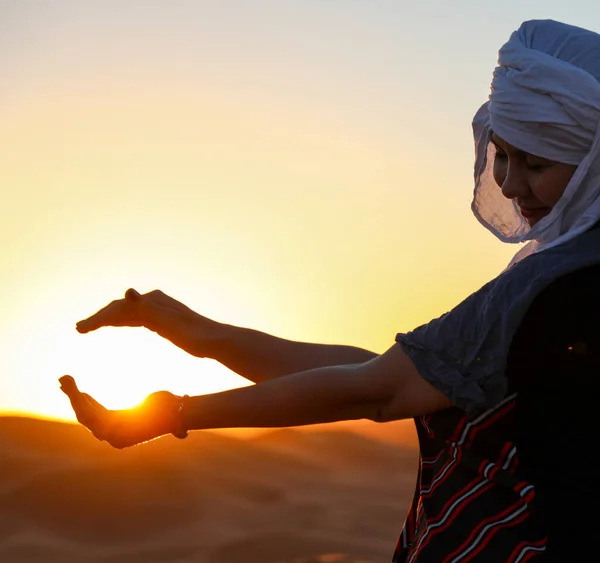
[(535, 184), (536, 138)]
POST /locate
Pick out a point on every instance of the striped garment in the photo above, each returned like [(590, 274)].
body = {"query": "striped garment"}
[(475, 499), (470, 503)]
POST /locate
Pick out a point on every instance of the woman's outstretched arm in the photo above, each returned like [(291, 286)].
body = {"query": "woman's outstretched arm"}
[(388, 387), (259, 356), (255, 355), (383, 389)]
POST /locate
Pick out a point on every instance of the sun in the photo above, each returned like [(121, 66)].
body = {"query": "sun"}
[(119, 367)]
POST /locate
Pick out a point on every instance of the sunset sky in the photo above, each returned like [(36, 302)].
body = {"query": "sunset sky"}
[(299, 167)]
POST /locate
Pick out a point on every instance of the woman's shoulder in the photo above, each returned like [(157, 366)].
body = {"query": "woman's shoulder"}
[(574, 294), (562, 315), (583, 276)]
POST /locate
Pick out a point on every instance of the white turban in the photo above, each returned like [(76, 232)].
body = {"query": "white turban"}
[(545, 100)]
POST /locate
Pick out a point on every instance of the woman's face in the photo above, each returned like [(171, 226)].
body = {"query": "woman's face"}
[(534, 183)]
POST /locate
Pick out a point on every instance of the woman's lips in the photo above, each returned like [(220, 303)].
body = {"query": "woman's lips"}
[(532, 213)]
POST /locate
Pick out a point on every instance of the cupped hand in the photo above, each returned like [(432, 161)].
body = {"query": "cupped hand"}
[(157, 312), (156, 416)]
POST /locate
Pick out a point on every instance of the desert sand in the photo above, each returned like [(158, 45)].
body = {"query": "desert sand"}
[(284, 496)]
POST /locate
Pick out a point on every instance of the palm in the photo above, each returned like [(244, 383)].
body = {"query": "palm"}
[(154, 417)]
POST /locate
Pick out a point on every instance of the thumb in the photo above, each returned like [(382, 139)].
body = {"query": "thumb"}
[(68, 386), (86, 413)]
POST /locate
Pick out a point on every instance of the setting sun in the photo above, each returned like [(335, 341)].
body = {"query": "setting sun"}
[(119, 366)]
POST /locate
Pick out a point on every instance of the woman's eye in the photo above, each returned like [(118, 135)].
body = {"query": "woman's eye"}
[(537, 165)]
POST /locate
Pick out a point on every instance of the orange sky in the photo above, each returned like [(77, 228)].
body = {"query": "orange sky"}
[(303, 188)]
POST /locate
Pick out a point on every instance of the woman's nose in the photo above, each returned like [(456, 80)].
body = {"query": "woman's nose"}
[(515, 183)]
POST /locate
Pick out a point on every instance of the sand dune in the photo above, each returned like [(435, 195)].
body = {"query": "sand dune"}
[(281, 497)]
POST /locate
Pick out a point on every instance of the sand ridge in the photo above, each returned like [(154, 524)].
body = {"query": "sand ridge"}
[(286, 496)]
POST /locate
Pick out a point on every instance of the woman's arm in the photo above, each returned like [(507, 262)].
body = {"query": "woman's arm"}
[(255, 355), (259, 356), (385, 388)]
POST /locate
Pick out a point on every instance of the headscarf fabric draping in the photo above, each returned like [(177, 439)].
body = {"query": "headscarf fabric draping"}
[(545, 100)]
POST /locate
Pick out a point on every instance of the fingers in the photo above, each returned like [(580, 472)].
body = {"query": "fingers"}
[(119, 428), (68, 385), (95, 403), (132, 295), (158, 312), (122, 312), (106, 316), (155, 311), (135, 310), (122, 428), (88, 411)]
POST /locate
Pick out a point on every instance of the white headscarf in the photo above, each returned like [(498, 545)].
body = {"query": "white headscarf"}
[(545, 100)]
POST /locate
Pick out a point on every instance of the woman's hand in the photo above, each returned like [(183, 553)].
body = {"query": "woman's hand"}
[(156, 416), (160, 313)]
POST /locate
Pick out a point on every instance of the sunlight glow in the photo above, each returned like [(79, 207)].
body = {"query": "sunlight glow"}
[(315, 190)]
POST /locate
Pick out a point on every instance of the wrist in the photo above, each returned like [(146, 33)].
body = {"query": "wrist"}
[(180, 427)]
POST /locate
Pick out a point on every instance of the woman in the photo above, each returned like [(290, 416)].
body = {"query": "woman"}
[(504, 389)]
